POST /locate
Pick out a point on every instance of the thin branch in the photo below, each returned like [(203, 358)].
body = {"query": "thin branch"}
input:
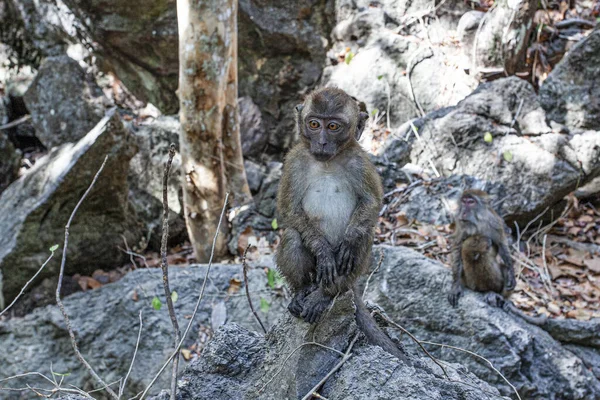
[(347, 355), (417, 341), (137, 343), (381, 257), (189, 325), (58, 287), (27, 284), (481, 358), (245, 270), (165, 266), (16, 122)]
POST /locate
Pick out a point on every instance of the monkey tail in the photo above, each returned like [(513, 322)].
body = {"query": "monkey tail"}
[(374, 334), (537, 321)]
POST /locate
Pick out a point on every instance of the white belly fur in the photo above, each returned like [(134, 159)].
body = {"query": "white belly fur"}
[(329, 201)]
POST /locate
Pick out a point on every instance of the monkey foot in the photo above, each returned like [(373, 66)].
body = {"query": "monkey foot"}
[(494, 299), (314, 306)]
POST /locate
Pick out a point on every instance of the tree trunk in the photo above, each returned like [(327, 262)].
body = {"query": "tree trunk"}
[(210, 139)]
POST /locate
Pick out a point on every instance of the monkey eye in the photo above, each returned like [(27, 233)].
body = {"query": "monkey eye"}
[(469, 201), (332, 126), (314, 124)]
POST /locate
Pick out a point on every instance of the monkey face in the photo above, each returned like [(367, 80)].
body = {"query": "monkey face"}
[(468, 209), (328, 120)]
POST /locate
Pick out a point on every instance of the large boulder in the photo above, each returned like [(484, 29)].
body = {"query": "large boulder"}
[(106, 321), (286, 364), (64, 102), (36, 207), (392, 72), (412, 290), (10, 161), (145, 178), (499, 136), (571, 92)]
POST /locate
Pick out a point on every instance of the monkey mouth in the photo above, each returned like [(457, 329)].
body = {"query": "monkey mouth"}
[(322, 156)]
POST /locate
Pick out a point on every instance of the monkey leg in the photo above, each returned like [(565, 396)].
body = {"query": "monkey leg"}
[(297, 266), (497, 300)]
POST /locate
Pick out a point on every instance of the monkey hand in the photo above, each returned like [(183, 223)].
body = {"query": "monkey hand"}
[(510, 283), (326, 268), (454, 295), (346, 257)]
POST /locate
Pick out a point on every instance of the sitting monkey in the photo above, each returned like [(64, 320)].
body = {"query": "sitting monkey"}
[(329, 200), (478, 240)]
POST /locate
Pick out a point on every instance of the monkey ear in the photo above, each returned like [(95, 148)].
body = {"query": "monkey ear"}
[(360, 125), (299, 108)]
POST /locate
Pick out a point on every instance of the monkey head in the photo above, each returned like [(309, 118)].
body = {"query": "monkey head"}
[(328, 120), (473, 203)]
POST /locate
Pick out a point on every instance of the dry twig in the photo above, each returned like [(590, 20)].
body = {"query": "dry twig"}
[(347, 355), (28, 283), (137, 343), (58, 287), (165, 266), (191, 321), (481, 358), (417, 341), (245, 270)]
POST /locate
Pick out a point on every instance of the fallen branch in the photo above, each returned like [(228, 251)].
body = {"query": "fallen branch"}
[(165, 266), (189, 325), (58, 287), (347, 355), (245, 271)]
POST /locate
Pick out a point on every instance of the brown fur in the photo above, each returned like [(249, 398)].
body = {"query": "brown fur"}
[(329, 199), (478, 239)]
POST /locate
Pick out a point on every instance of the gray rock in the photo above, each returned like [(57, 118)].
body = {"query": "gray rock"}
[(255, 173), (64, 102), (106, 322), (145, 178), (570, 93), (412, 290), (36, 207), (241, 364), (514, 166), (10, 161), (503, 38), (253, 135), (389, 72)]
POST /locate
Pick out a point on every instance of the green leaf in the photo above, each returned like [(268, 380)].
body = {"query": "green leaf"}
[(274, 224), (59, 374), (264, 305), (379, 77), (54, 248), (349, 57), (487, 137), (174, 296), (507, 156), (156, 304), (375, 111), (271, 278)]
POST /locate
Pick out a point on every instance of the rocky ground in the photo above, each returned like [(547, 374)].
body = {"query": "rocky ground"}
[(448, 111)]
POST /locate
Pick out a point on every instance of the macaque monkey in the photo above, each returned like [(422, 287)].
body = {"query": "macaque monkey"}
[(329, 199), (478, 240)]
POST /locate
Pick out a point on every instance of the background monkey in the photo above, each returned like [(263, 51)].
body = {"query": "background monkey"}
[(478, 240), (329, 199)]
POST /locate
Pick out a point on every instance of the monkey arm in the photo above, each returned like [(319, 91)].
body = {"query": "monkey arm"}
[(359, 233), (509, 274), (457, 269), (289, 203)]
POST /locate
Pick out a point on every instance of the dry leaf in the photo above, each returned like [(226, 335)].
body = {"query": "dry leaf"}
[(593, 264), (187, 355)]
